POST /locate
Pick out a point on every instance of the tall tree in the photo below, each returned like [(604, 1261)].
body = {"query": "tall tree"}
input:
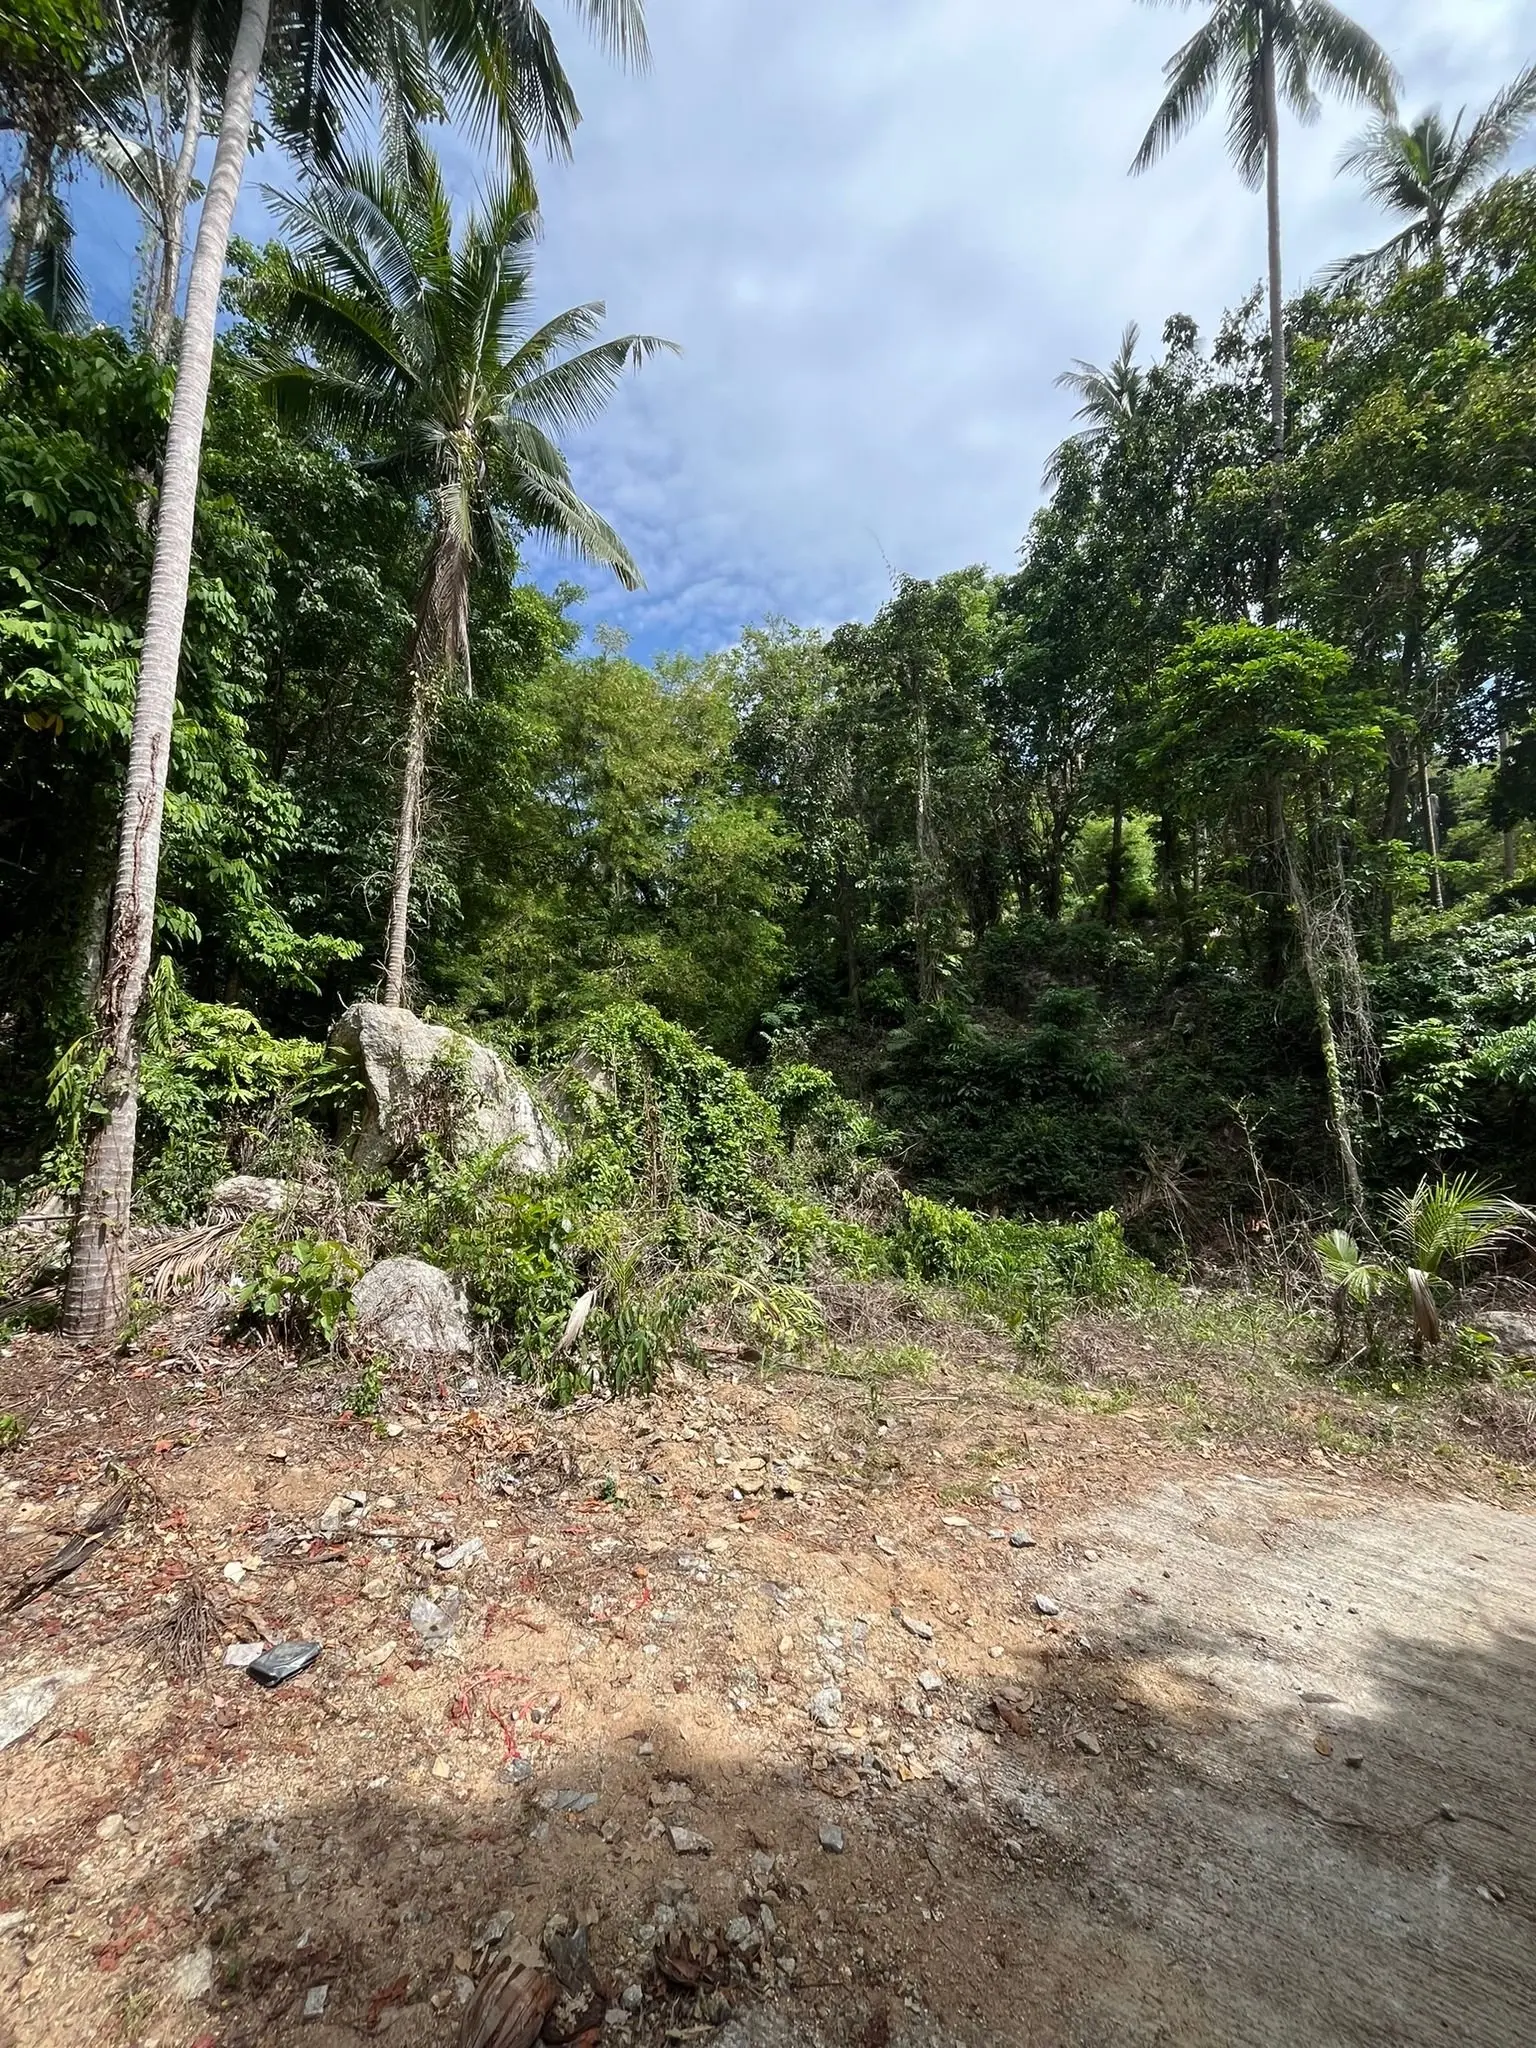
[(421, 354), (1425, 173), (1261, 50), (496, 60), (1110, 399)]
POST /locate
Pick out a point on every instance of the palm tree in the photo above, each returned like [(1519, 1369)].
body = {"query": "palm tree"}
[(421, 354), (1261, 50), (1111, 399), (1424, 173), (494, 61)]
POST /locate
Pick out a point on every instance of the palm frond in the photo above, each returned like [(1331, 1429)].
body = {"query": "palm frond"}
[(543, 500), (1496, 131), (1445, 1221), (572, 393), (1337, 52), (54, 281), (1192, 73)]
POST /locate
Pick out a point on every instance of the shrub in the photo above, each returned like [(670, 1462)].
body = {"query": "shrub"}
[(301, 1287)]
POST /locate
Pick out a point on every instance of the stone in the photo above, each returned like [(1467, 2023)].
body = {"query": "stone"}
[(826, 1707), (1044, 1604), (1021, 1539), (689, 1842), (633, 1999), (409, 1309), (1087, 1742), (436, 1620), (832, 1840), (109, 1827), (250, 1194), (315, 1999), (921, 1629), (24, 1705), (1513, 1333), (422, 1080), (192, 1974), (235, 1573), (930, 1681), (470, 1551)]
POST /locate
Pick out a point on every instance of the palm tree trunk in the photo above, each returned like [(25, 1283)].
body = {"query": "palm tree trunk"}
[(96, 1293), (1276, 539), (407, 837), (162, 312), (36, 176)]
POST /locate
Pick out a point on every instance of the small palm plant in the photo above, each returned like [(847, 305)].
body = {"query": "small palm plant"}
[(1433, 1234)]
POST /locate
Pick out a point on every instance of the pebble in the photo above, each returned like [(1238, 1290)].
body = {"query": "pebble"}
[(192, 1974), (689, 1842), (109, 1827), (1087, 1742), (14, 1922), (235, 1573), (884, 1544), (1021, 1539), (1044, 1604), (832, 1841), (923, 1630), (314, 2000), (394, 1429), (633, 1998), (930, 1681), (467, 1552), (826, 1707)]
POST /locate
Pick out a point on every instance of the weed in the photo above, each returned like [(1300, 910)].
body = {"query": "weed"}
[(367, 1397), (301, 1286), (877, 1364), (12, 1430)]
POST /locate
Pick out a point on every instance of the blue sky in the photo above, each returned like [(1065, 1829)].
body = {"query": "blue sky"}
[(879, 228)]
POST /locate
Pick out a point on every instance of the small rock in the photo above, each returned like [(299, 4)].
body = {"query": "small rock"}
[(394, 1429), (1355, 1758), (314, 2000), (741, 1932), (923, 1630), (1015, 1848), (436, 1620), (930, 1681), (517, 1772), (109, 1827), (1044, 1604), (1087, 1741), (884, 1544), (633, 1999), (441, 1768), (826, 1707), (470, 1551), (235, 1573), (832, 1841), (14, 1922), (688, 1842), (192, 1974), (1021, 1539), (956, 1521)]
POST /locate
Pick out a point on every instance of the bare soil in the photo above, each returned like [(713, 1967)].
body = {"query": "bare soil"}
[(1263, 1776)]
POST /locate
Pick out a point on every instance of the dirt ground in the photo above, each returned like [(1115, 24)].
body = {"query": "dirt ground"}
[(840, 1712)]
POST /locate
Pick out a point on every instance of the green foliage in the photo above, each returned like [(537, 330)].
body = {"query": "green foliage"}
[(300, 1287), (215, 1090), (366, 1398), (1434, 1232), (1028, 1274), (12, 1430)]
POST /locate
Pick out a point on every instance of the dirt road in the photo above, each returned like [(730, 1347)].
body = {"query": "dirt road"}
[(903, 1716)]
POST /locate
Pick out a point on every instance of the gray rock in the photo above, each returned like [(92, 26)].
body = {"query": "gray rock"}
[(832, 1841), (930, 1681), (408, 1309), (435, 1620), (921, 1629), (315, 1999), (1087, 1742), (26, 1704), (422, 1080), (826, 1707), (1513, 1333), (1021, 1539), (1044, 1604), (192, 1974), (249, 1194), (633, 1999), (689, 1842)]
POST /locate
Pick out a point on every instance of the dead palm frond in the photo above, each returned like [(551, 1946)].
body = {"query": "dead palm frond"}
[(171, 1265)]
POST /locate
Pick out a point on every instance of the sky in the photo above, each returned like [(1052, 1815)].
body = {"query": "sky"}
[(878, 229)]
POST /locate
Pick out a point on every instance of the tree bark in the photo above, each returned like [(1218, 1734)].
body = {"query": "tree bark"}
[(1275, 543), (1431, 832), (1113, 880), (407, 837), (36, 176), (96, 1293), (162, 311)]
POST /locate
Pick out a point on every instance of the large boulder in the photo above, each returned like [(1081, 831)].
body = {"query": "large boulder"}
[(408, 1309), (423, 1080), (1513, 1332)]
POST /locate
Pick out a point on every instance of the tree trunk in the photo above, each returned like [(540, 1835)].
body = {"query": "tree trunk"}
[(407, 838), (922, 881), (1275, 545), (1511, 838), (36, 177), (96, 1293), (167, 283), (1113, 881), (1431, 832)]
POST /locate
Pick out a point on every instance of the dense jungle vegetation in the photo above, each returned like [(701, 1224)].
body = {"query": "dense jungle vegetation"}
[(1184, 869)]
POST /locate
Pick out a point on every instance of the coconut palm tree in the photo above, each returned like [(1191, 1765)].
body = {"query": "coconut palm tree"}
[(1111, 399), (1425, 173), (494, 62), (420, 353), (1261, 51)]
